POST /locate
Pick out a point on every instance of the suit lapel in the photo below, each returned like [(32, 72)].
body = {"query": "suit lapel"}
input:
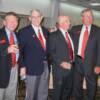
[(62, 38), (44, 33), (33, 34), (92, 31), (4, 35), (35, 38)]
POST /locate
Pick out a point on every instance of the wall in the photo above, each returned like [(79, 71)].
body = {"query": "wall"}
[(75, 11), (24, 6), (50, 9)]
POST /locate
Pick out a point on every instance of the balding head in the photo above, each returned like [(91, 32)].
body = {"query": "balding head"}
[(64, 22), (62, 19)]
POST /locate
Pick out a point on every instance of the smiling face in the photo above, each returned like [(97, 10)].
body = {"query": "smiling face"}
[(35, 18), (64, 22), (11, 22)]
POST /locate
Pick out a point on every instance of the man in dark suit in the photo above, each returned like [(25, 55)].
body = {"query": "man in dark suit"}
[(33, 57), (87, 59), (8, 57), (62, 53)]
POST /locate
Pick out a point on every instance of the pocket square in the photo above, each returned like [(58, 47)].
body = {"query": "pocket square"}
[(2, 41), (33, 36)]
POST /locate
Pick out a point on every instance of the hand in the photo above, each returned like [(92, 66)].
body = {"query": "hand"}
[(23, 71), (13, 49), (65, 65), (97, 69)]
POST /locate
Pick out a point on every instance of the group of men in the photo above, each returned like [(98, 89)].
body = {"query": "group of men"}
[(75, 55)]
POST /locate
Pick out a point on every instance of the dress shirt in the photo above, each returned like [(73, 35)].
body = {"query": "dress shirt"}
[(64, 34), (81, 38), (36, 32), (15, 40)]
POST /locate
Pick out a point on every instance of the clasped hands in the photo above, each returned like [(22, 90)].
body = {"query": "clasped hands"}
[(97, 69), (66, 65)]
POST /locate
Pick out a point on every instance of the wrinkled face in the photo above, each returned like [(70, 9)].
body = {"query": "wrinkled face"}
[(65, 23), (11, 22), (87, 18), (35, 18)]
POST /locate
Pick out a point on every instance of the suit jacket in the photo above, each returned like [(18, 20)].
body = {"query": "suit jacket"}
[(5, 59), (92, 51), (32, 55), (59, 51)]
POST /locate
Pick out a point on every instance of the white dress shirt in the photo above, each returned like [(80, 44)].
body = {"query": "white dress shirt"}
[(81, 38), (36, 29), (64, 34)]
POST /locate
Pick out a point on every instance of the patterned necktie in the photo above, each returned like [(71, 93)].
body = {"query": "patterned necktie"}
[(13, 55), (41, 39), (71, 53), (84, 42)]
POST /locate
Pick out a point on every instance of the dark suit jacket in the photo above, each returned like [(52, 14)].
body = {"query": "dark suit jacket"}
[(32, 55), (5, 59), (92, 52), (59, 51)]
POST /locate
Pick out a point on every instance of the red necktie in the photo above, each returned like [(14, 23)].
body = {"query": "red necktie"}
[(71, 53), (84, 42), (41, 39), (13, 55)]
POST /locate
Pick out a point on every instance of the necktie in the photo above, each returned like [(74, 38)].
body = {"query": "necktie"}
[(71, 53), (84, 42), (13, 55), (41, 39)]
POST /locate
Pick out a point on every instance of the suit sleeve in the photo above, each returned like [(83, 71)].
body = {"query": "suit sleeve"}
[(98, 48), (56, 58), (21, 48)]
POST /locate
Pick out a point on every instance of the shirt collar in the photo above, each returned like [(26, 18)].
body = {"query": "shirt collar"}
[(36, 29), (89, 27), (7, 31), (63, 32)]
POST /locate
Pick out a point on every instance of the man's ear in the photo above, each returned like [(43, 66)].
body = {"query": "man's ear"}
[(4, 22), (29, 18), (42, 18)]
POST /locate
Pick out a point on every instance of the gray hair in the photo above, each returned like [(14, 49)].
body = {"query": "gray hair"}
[(35, 10)]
